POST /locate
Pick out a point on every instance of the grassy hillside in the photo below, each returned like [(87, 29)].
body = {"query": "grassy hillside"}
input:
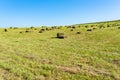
[(90, 55)]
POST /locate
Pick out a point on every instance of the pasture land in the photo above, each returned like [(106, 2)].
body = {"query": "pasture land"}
[(81, 55)]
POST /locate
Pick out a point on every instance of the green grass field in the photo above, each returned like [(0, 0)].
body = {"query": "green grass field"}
[(90, 55)]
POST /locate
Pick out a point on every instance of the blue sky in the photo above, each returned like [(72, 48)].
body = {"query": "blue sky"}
[(23, 13)]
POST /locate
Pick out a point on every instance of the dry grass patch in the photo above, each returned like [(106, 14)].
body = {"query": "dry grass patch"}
[(73, 70)]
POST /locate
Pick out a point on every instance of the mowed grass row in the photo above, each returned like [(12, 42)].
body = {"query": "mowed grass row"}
[(41, 56)]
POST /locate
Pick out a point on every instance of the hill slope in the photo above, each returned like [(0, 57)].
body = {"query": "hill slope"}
[(93, 54)]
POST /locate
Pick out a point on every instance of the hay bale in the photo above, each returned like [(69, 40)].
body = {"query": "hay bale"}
[(60, 35), (71, 30), (40, 31), (78, 32), (92, 25), (86, 26), (73, 27), (68, 26), (108, 25), (89, 29), (54, 27), (50, 29), (59, 28), (27, 31), (47, 29), (94, 28), (20, 32), (5, 30)]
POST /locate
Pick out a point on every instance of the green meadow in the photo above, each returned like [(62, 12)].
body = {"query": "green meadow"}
[(89, 55)]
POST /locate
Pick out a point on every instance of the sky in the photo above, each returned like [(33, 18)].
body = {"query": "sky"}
[(24, 13)]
